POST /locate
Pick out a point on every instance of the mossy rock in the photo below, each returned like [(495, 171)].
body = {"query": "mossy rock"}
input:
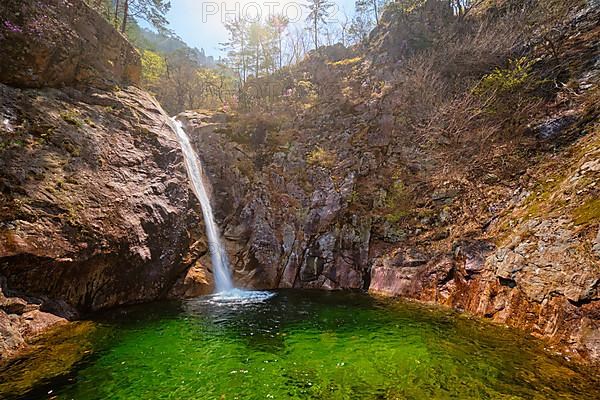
[(51, 355), (588, 213)]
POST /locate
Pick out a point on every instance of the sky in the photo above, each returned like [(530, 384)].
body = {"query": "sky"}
[(199, 22)]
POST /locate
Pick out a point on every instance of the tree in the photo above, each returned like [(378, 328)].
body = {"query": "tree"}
[(256, 37), (152, 11), (345, 24), (237, 46), (180, 83), (462, 7), (154, 68), (104, 7), (297, 44), (368, 8), (256, 46), (360, 27), (181, 75), (279, 24), (319, 11), (220, 82)]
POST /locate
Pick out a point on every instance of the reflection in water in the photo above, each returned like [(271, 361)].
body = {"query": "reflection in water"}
[(311, 345)]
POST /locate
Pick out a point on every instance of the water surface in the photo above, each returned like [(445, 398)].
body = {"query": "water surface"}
[(305, 345)]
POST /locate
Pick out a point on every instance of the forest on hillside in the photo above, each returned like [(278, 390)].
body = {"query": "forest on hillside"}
[(395, 200), (259, 45)]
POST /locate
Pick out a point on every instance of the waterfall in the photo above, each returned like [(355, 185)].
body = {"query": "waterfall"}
[(218, 256)]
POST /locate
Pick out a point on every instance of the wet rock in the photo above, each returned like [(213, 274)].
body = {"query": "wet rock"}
[(195, 282), (312, 268), (59, 308)]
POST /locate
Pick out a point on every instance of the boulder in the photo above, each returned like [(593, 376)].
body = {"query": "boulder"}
[(96, 205)]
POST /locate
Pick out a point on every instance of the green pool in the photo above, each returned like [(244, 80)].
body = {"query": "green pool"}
[(293, 345)]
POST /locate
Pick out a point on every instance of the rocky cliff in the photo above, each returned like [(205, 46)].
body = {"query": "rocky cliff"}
[(55, 43), (448, 159), (95, 206), (461, 171), (279, 231)]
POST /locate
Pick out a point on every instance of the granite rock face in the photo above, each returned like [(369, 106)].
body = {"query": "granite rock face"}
[(535, 267), (95, 204), (95, 198), (272, 242), (53, 43)]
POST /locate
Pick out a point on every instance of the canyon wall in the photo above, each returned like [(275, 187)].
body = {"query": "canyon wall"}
[(404, 167), (95, 206)]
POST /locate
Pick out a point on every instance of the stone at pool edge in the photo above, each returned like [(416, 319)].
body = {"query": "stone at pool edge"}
[(52, 354)]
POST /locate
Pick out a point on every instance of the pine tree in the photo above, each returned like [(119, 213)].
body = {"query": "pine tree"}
[(256, 37), (319, 11), (278, 23), (370, 7), (360, 27), (237, 46), (153, 11)]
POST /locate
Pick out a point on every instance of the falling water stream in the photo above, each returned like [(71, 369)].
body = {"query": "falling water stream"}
[(225, 292), (218, 256)]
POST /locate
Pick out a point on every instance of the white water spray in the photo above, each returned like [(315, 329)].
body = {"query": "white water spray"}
[(218, 256)]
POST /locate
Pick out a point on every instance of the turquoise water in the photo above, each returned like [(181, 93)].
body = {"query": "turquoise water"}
[(305, 345)]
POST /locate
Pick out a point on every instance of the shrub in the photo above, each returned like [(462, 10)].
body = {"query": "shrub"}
[(346, 61), (397, 202), (321, 157), (72, 118), (153, 67), (505, 80)]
